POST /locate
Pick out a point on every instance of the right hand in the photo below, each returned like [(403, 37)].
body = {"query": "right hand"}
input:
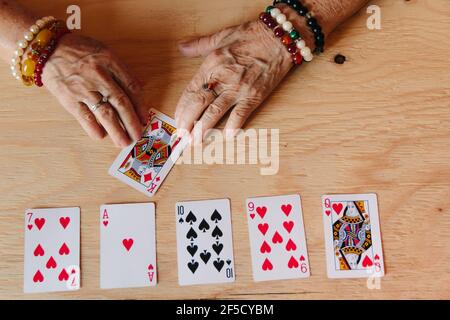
[(79, 73)]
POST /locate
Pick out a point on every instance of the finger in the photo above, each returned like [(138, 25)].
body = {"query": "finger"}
[(192, 103), (88, 121), (238, 117), (109, 119), (119, 99), (214, 112), (83, 115), (202, 46), (132, 86), (85, 118)]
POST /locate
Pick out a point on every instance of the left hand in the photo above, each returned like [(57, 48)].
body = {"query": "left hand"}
[(245, 62)]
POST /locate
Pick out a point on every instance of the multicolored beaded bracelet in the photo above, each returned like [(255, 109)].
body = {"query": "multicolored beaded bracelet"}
[(29, 36), (59, 31), (319, 37), (284, 29)]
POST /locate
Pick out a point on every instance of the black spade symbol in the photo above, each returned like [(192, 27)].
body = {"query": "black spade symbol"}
[(217, 247), (228, 262), (192, 249), (205, 256), (218, 264), (216, 217), (217, 233), (191, 234), (181, 220), (192, 266), (203, 226), (190, 218)]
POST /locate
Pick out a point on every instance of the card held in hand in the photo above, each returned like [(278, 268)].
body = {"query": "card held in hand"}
[(52, 250), (204, 242), (127, 246), (352, 236), (145, 164), (277, 238)]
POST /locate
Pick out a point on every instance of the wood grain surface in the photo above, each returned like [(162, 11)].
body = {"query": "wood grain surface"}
[(378, 123)]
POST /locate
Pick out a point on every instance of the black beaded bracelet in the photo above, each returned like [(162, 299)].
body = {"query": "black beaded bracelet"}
[(319, 37)]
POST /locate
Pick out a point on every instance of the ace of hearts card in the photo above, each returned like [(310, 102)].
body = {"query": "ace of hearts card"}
[(52, 250), (204, 242), (277, 238), (352, 236), (127, 246), (145, 164)]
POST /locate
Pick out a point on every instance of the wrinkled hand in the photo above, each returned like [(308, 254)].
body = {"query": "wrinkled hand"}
[(79, 73), (245, 62)]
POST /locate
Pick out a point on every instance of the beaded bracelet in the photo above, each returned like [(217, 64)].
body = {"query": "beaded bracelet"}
[(29, 36), (319, 37), (295, 45)]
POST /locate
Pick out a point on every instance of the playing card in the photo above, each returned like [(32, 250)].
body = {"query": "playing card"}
[(145, 164), (204, 241), (127, 246), (52, 250), (277, 238), (352, 236)]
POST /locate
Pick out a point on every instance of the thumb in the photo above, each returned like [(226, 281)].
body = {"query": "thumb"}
[(204, 45)]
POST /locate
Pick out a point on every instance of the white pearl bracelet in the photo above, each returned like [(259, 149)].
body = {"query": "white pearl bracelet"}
[(287, 26), (28, 37)]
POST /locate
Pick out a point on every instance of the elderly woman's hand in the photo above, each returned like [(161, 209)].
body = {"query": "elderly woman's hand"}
[(82, 71), (245, 63)]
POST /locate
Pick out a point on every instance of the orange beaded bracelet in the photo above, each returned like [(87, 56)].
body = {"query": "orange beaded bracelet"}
[(29, 36)]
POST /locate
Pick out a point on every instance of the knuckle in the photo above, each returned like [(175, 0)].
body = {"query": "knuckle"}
[(241, 113), (212, 112)]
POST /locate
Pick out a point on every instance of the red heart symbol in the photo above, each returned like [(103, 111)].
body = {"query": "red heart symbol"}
[(367, 262), (51, 263), (64, 221), (38, 277), (39, 222), (252, 215), (302, 258), (277, 238), (293, 263), (286, 208), (64, 250), (261, 211), (337, 207), (63, 276), (265, 248), (377, 257), (105, 223), (328, 212), (267, 265), (30, 226), (291, 246), (127, 243), (150, 267), (263, 227), (288, 225), (39, 251)]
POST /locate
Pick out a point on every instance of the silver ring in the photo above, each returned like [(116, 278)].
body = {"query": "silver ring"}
[(102, 101)]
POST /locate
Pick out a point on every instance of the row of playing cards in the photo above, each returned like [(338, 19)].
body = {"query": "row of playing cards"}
[(204, 242)]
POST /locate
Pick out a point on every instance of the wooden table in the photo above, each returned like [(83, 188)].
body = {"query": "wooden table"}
[(379, 123)]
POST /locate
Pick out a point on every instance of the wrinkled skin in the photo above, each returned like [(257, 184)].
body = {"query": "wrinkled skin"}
[(79, 73), (246, 62)]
